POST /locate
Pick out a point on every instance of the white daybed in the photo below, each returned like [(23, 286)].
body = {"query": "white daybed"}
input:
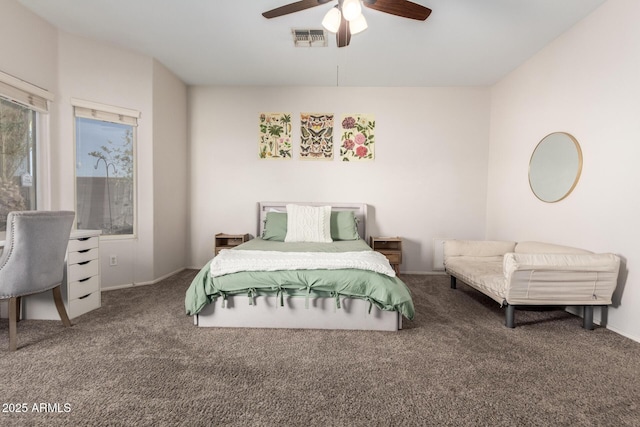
[(533, 273)]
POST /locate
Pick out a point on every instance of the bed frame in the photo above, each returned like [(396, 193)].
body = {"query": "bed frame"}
[(321, 313)]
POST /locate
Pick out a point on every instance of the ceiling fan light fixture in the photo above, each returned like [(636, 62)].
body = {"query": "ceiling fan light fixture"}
[(358, 25), (351, 9), (331, 21)]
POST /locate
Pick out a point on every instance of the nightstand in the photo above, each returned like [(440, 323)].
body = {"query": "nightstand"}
[(228, 241), (391, 247)]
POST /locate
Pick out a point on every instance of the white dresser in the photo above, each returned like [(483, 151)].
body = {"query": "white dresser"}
[(81, 283)]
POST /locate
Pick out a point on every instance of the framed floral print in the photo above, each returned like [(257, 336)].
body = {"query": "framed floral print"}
[(357, 142)]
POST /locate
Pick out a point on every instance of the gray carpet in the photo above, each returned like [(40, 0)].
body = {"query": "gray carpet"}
[(140, 361)]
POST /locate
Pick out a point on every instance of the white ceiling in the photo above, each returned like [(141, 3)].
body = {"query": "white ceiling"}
[(229, 42)]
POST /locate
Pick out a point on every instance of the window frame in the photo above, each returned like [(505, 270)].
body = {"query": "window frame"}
[(20, 92), (108, 113)]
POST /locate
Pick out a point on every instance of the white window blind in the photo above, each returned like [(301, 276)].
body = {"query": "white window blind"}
[(106, 113), (21, 92)]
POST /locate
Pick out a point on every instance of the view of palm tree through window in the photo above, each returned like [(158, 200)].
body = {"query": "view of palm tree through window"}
[(17, 159), (104, 176)]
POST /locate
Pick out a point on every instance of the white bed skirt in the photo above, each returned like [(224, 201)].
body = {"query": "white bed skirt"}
[(322, 313)]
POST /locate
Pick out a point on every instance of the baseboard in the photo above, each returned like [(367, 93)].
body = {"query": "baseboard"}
[(624, 334), (151, 282), (577, 311), (425, 273)]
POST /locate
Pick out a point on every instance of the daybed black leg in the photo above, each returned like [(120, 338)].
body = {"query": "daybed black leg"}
[(510, 321), (453, 282), (587, 320)]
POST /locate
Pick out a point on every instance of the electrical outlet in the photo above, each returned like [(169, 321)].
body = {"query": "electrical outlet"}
[(113, 260)]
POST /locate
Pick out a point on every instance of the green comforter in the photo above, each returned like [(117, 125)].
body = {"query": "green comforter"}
[(386, 293)]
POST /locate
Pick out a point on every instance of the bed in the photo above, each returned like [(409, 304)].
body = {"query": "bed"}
[(283, 280)]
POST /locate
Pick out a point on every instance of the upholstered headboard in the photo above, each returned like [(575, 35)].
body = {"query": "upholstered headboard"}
[(359, 210)]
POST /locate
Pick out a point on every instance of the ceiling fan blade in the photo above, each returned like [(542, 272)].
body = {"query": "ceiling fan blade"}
[(403, 8), (293, 7), (343, 36)]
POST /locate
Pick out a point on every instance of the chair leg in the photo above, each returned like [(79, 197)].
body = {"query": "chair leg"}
[(57, 298), (18, 308), (13, 341)]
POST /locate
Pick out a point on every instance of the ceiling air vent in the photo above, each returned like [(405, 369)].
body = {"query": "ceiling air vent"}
[(309, 38)]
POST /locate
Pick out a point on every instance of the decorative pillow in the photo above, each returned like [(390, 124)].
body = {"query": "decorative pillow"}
[(308, 224), (275, 226), (344, 226)]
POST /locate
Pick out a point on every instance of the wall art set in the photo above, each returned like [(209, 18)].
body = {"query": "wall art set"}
[(357, 136)]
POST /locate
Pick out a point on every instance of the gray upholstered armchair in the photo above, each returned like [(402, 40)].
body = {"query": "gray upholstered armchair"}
[(33, 260)]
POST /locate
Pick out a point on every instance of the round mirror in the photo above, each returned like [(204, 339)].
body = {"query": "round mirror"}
[(555, 167)]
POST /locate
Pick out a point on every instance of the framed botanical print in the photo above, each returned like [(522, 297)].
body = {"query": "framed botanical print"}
[(274, 138)]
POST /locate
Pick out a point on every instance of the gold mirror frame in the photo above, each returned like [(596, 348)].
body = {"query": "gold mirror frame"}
[(555, 167)]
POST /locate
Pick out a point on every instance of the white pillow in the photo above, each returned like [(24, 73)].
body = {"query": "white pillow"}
[(308, 224)]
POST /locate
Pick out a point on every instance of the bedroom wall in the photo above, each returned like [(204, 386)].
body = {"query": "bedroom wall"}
[(97, 72), (585, 83), (28, 45), (428, 178), (170, 177)]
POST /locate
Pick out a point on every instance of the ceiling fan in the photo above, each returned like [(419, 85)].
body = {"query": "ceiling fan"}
[(336, 20)]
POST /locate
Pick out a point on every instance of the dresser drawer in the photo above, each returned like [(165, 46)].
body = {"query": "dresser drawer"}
[(83, 287), (393, 257), (82, 244), (84, 305), (81, 284), (82, 256), (77, 272)]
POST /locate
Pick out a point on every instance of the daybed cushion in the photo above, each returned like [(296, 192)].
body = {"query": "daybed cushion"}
[(566, 278), (479, 248), (530, 273), (484, 273), (546, 248)]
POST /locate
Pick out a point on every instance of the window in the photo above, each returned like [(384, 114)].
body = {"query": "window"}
[(20, 106), (105, 169), (17, 159)]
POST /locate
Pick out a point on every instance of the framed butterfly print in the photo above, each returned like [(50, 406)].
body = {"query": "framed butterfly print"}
[(316, 136)]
